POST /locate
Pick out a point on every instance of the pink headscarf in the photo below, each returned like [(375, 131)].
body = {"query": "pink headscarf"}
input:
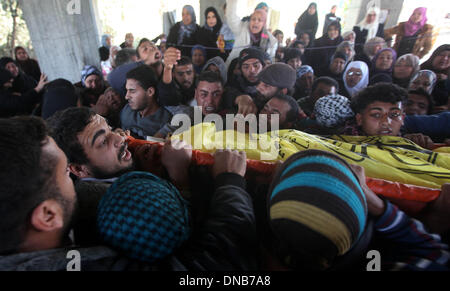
[(410, 27)]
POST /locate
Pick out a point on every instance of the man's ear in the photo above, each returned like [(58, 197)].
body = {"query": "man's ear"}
[(81, 171), (47, 216), (358, 119), (151, 92)]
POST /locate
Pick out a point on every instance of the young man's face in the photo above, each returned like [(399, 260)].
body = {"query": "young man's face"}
[(184, 75), (106, 151), (208, 96), (381, 118), (250, 70), (137, 97), (149, 53), (417, 105)]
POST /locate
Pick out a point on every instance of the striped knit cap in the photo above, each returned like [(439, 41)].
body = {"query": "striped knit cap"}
[(143, 216), (317, 208)]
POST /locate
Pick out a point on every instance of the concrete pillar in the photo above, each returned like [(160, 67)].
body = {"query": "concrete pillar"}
[(64, 34)]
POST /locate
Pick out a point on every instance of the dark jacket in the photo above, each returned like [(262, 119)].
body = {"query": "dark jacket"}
[(172, 40), (361, 37), (324, 48), (208, 39), (23, 104), (23, 83), (31, 68), (225, 242)]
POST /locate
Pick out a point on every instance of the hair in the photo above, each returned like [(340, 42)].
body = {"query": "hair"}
[(210, 77), (382, 92), (293, 113), (17, 48), (277, 32), (65, 126), (140, 43), (26, 174), (124, 56), (292, 53), (184, 61), (145, 76), (371, 42), (325, 80), (422, 92)]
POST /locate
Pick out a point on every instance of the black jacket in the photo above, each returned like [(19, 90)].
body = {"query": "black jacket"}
[(172, 40), (23, 104), (173, 95), (361, 37)]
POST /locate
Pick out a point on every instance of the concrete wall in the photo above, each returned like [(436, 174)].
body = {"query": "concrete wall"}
[(63, 43)]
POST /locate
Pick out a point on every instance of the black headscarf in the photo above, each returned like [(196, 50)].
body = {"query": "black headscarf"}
[(428, 65), (309, 21), (218, 26)]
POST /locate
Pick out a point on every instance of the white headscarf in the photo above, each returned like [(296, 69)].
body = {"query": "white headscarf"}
[(372, 28), (362, 83)]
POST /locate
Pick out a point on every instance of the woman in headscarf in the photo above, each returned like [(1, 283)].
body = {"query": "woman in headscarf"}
[(424, 79), (325, 47), (382, 66), (356, 78), (371, 48), (308, 22), (414, 36), (405, 67), (215, 36), (104, 50), (184, 32), (439, 62), (347, 48), (370, 26), (198, 58), (252, 33), (26, 64)]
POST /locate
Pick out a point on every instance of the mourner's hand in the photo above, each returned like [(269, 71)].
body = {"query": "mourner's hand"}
[(42, 82), (375, 205), (246, 105), (229, 161), (171, 56), (421, 140)]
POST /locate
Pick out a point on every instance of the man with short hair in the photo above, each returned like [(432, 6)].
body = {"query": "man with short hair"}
[(38, 201), (143, 116), (321, 87), (419, 102), (177, 86), (293, 57), (37, 195), (380, 111), (285, 107), (208, 92), (147, 53)]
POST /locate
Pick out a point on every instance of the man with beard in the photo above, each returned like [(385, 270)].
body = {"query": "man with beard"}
[(37, 197), (177, 86)]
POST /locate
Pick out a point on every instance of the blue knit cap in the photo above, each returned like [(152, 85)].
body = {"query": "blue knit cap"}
[(143, 216), (304, 70), (89, 70), (317, 208)]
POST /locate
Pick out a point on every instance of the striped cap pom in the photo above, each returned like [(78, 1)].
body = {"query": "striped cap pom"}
[(317, 206)]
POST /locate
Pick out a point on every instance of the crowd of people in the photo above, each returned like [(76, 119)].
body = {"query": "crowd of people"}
[(70, 181)]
